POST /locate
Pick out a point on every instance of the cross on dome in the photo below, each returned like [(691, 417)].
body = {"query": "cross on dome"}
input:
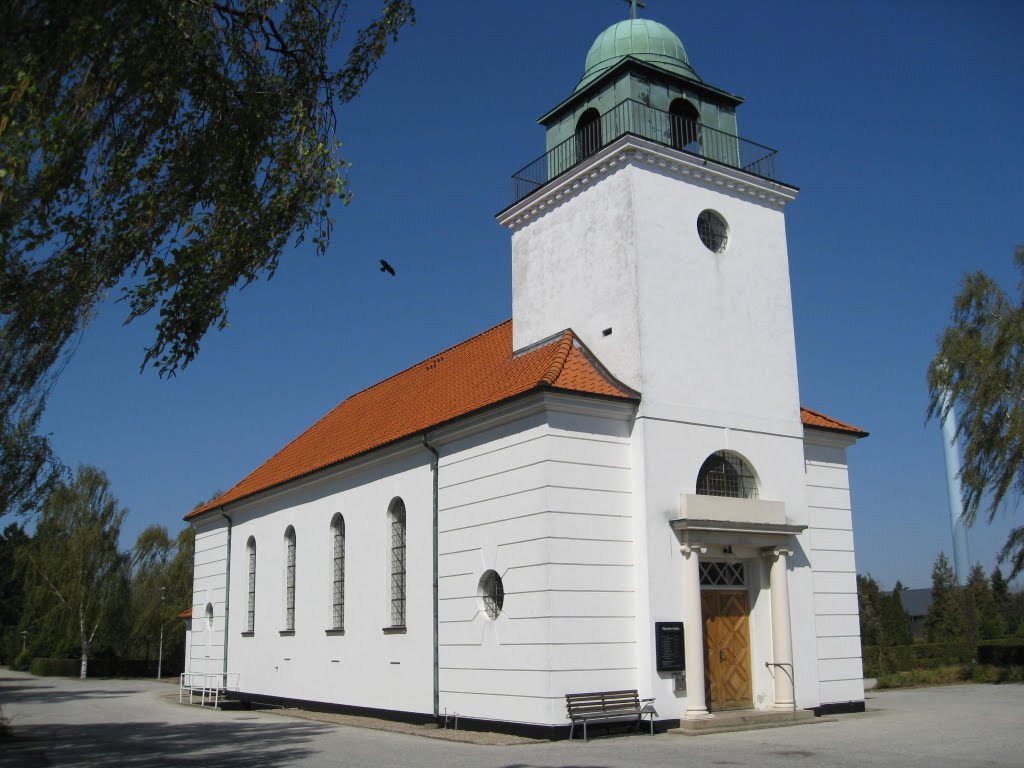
[(633, 5)]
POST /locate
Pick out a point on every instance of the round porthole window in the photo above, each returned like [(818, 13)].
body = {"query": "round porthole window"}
[(713, 231), (492, 592)]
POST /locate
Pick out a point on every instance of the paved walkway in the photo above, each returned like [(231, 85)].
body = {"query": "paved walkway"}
[(138, 724)]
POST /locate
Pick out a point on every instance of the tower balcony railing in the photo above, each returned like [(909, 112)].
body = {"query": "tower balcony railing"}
[(631, 117)]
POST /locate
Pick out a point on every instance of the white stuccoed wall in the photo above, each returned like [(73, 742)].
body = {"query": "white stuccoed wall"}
[(545, 502), (835, 574), (364, 667), (205, 644), (707, 338)]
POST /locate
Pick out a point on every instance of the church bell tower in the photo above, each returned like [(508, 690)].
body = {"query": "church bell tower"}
[(657, 234)]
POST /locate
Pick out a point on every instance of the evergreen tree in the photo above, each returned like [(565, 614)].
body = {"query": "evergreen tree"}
[(945, 620), (1004, 602), (867, 603), (981, 615), (895, 620)]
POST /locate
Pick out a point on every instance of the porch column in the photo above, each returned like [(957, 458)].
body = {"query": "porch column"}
[(693, 635), (782, 632)]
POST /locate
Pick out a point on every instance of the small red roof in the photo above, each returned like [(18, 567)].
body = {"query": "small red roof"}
[(817, 420), (477, 373), (185, 614)]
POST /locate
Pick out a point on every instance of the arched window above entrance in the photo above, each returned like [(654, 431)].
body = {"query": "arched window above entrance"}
[(726, 473)]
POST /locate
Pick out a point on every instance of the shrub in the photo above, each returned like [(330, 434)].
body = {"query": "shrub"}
[(1002, 653), (947, 675), (21, 661), (880, 660), (55, 667)]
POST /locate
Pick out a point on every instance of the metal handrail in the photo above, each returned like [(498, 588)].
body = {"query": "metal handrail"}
[(631, 117), (792, 677)]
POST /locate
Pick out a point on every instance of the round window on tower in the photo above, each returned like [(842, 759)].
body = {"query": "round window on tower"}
[(492, 592), (713, 231)]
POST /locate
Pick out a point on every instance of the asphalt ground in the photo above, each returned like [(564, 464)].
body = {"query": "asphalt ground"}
[(139, 724)]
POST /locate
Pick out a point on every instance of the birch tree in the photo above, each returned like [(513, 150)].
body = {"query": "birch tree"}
[(166, 152), (75, 575)]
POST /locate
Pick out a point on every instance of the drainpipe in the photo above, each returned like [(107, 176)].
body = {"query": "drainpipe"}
[(227, 596), (437, 676)]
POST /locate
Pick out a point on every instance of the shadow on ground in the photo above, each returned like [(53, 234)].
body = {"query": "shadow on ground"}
[(156, 744), (16, 691)]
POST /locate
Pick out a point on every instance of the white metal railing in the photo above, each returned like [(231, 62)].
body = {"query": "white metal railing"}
[(209, 687)]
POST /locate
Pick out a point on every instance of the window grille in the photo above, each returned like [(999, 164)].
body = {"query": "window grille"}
[(289, 588), (726, 473), (250, 622), (398, 564), (714, 574), (713, 231), (338, 603), (492, 591)]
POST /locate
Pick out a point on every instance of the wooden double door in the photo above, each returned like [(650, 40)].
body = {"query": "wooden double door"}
[(727, 649)]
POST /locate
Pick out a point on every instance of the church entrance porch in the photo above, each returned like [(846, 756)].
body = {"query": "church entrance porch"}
[(727, 649)]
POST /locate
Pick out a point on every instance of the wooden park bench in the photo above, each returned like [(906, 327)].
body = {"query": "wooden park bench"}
[(607, 706)]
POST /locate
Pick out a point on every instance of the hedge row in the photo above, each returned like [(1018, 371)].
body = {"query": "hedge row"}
[(103, 667), (55, 667), (881, 659), (1002, 653)]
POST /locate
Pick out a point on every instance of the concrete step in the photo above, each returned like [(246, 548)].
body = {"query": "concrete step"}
[(746, 720)]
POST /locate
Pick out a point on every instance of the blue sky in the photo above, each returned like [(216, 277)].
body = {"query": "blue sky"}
[(901, 122)]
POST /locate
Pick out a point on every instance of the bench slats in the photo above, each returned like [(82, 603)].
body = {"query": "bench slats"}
[(605, 705)]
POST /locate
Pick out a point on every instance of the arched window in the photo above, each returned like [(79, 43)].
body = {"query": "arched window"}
[(250, 615), (726, 473), (338, 570), (396, 515), (685, 121), (209, 624), (588, 134), (289, 579)]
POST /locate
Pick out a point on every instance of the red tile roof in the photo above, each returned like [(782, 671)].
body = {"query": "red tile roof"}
[(185, 614), (477, 373), (817, 420)]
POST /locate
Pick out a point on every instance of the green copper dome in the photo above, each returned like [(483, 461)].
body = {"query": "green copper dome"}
[(642, 39)]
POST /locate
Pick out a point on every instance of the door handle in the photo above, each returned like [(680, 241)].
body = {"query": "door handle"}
[(721, 655)]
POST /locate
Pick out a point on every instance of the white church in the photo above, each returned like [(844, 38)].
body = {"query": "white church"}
[(616, 489)]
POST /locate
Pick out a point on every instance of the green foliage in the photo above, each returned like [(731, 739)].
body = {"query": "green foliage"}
[(12, 589), (22, 661), (75, 577), (945, 619), (54, 667), (161, 587), (883, 621), (982, 616), (1006, 652), (895, 620), (879, 660), (948, 675), (980, 363), (169, 151), (868, 604)]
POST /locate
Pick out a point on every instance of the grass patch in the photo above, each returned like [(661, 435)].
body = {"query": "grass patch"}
[(950, 674)]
